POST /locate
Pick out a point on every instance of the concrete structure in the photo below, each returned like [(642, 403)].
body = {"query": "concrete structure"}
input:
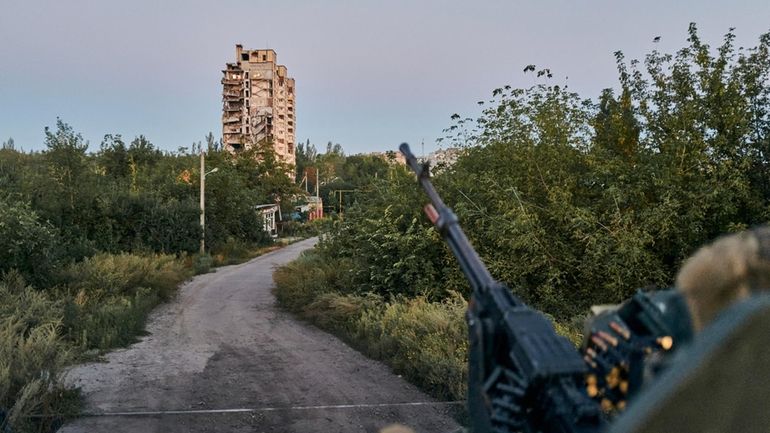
[(390, 156), (314, 208), (444, 157), (268, 213), (258, 103)]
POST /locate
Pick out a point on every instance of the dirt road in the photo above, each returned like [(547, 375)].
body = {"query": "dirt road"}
[(223, 358)]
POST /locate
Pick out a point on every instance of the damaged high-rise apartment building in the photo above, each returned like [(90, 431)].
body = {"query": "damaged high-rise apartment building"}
[(258, 103)]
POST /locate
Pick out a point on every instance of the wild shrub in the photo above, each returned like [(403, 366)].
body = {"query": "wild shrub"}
[(32, 355), (307, 277), (29, 244), (112, 322), (107, 275), (100, 303), (340, 314), (232, 251), (107, 297), (425, 341), (201, 263), (573, 201)]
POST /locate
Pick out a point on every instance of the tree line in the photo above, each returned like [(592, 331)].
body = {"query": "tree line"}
[(340, 178), (66, 203), (575, 201)]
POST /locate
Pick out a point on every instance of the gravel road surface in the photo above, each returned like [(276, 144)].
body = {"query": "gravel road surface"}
[(223, 358)]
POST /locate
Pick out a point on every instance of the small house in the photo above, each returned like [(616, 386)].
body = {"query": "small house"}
[(268, 214)]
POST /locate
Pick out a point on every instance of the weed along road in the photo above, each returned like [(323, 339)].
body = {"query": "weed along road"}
[(222, 357)]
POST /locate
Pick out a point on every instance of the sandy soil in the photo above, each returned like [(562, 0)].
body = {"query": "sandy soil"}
[(223, 358)]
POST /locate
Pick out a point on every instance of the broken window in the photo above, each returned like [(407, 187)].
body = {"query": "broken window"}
[(264, 57), (245, 56)]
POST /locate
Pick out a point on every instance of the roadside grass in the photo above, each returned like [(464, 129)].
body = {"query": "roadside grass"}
[(99, 303), (33, 353), (235, 252), (426, 342)]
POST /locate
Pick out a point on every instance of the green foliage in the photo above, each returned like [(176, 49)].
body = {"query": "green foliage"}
[(29, 245), (570, 201), (573, 202), (306, 229), (32, 355), (341, 179), (113, 321), (424, 341), (99, 303), (136, 198), (120, 275), (201, 263), (233, 251), (306, 277), (108, 297), (427, 342)]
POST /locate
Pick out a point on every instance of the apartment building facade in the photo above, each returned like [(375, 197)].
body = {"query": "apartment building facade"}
[(258, 104)]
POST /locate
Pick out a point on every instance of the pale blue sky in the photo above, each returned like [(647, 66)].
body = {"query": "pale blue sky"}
[(369, 74)]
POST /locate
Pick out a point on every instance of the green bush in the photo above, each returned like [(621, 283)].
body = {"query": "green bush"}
[(28, 244), (32, 356), (426, 341), (233, 251), (111, 322), (202, 263), (109, 296), (100, 303), (108, 275), (306, 229), (308, 276)]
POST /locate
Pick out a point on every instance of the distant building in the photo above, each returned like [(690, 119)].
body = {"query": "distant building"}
[(268, 212), (258, 103), (444, 157), (314, 208), (392, 157)]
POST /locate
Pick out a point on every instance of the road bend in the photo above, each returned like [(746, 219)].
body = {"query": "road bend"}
[(222, 357)]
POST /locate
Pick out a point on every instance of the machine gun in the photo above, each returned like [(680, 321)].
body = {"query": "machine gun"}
[(522, 375)]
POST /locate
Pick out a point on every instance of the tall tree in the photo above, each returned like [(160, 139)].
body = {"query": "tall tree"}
[(9, 145), (113, 156)]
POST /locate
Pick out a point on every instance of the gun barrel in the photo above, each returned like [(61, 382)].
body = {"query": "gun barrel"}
[(423, 176), (449, 227)]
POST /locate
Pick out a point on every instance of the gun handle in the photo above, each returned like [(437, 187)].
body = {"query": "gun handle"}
[(431, 213), (478, 410)]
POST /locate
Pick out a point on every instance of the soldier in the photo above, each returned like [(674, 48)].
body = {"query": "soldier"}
[(726, 271)]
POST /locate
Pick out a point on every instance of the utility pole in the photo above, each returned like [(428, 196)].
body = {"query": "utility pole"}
[(203, 204), (203, 200)]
